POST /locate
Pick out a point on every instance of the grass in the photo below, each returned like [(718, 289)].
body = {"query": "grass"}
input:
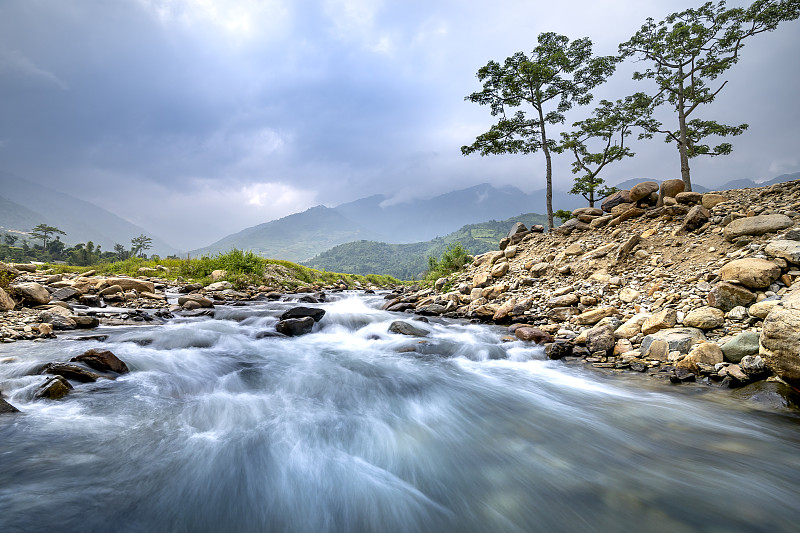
[(243, 269)]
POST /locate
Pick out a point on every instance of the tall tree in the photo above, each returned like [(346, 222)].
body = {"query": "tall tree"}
[(43, 232), (687, 52), (605, 133), (140, 244), (557, 75)]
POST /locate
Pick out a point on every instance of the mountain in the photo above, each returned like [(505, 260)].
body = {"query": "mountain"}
[(410, 260), (32, 204), (295, 237)]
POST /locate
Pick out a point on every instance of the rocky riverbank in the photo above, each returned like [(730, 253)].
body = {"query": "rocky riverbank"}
[(682, 285)]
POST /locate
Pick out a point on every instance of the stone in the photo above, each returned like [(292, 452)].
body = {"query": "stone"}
[(573, 249), (780, 343), (539, 269), (6, 302), (658, 350), (217, 275), (677, 339), (293, 327), (670, 189), (562, 314), (500, 270), (128, 284), (706, 353), (31, 292), (518, 227), (751, 272), (481, 279), (402, 327), (643, 190), (613, 200), (58, 321), (530, 334), (102, 360), (785, 249), (53, 388), (113, 289), (302, 312), (219, 286), (6, 408), (761, 309), (432, 309), (689, 198), (631, 327), (511, 251), (737, 313), (628, 295), (566, 300), (69, 371), (664, 319), (594, 316), (704, 318), (440, 283), (756, 225), (600, 339), (85, 321), (558, 349), (695, 218), (64, 293), (753, 366), (711, 199), (590, 211), (504, 310), (45, 329), (493, 292), (726, 296), (199, 301)]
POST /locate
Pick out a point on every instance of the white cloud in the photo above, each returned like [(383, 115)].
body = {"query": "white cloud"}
[(15, 63)]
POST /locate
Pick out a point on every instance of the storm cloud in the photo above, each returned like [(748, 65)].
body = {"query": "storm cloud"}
[(197, 118)]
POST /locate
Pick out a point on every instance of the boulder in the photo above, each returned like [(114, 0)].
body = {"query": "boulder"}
[(64, 293), (481, 279), (6, 303), (751, 272), (69, 371), (217, 275), (613, 200), (670, 189), (695, 218), (562, 314), (704, 318), (197, 299), (590, 211), (85, 321), (132, 284), (511, 251), (753, 366), (757, 225), (402, 327), (293, 327), (566, 300), (658, 350), (726, 296), (31, 292), (219, 286), (301, 312), (761, 309), (677, 339), (706, 353), (664, 319), (53, 388), (530, 334), (6, 408), (58, 321), (628, 295), (631, 327), (600, 339), (780, 339), (26, 267), (594, 316), (102, 360), (689, 198), (113, 289), (643, 190), (500, 270), (711, 199), (558, 349), (785, 249), (431, 309), (440, 283), (518, 227)]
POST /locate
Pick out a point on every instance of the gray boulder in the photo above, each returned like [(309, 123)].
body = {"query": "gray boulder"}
[(294, 327), (745, 343), (677, 339), (402, 327), (757, 225), (32, 292)]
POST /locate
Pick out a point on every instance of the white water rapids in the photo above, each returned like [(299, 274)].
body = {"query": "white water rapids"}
[(215, 429)]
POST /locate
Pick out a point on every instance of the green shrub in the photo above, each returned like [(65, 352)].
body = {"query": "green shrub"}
[(452, 259)]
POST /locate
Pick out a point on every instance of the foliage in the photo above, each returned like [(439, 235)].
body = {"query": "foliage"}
[(687, 51), (557, 75), (563, 214), (43, 231), (606, 129), (452, 260), (140, 244)]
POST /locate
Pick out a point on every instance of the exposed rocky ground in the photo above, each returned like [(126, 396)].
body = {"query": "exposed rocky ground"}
[(682, 285)]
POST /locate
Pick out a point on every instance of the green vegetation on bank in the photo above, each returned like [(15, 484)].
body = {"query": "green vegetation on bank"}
[(242, 268), (410, 261), (452, 260)]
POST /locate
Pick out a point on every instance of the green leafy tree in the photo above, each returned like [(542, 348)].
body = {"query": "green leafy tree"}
[(43, 232), (687, 52), (557, 75), (563, 215), (120, 252), (10, 240), (599, 141), (140, 244)]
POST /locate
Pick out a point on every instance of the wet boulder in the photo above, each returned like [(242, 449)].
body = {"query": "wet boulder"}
[(401, 327), (6, 408), (535, 335), (302, 312), (294, 327), (102, 360), (53, 388), (70, 371), (194, 301)]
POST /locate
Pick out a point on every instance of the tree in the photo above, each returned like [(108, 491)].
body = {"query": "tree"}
[(120, 251), (557, 75), (688, 51), (11, 240), (43, 232), (140, 244), (609, 125)]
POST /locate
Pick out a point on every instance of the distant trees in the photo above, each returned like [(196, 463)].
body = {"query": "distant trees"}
[(557, 75), (43, 233), (687, 51), (140, 244)]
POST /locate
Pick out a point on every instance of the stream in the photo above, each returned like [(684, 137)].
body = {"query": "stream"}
[(344, 429)]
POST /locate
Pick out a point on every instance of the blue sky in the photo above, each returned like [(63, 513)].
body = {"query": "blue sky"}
[(197, 118)]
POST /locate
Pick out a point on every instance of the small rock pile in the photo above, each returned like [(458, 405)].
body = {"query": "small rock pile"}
[(684, 285)]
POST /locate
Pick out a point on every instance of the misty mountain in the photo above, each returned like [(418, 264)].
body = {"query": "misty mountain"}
[(25, 204), (296, 237)]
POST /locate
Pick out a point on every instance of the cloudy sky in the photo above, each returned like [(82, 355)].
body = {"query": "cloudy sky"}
[(197, 118)]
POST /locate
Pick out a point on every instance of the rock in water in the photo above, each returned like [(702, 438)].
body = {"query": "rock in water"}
[(68, 371), (53, 388), (6, 407), (302, 312), (536, 335), (295, 326), (402, 327), (102, 360)]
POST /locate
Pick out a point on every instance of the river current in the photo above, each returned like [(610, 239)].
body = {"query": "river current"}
[(215, 429)]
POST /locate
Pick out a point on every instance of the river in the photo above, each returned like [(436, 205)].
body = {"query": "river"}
[(215, 429)]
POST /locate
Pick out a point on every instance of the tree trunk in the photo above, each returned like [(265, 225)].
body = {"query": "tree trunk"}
[(683, 143), (549, 175)]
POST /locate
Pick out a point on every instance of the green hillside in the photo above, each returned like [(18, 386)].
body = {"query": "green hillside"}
[(409, 261)]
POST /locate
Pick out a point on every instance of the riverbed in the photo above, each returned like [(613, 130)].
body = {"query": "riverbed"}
[(353, 428)]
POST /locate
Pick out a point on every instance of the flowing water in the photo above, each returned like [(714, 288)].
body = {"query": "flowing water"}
[(215, 429)]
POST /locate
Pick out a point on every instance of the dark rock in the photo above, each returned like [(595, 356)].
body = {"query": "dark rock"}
[(90, 300), (64, 293), (268, 334), (681, 375), (301, 312), (102, 360), (518, 227), (726, 296), (558, 349), (68, 371), (753, 366), (432, 310), (53, 388), (405, 328), (619, 197), (770, 395), (600, 339), (696, 217), (189, 287), (6, 407), (308, 300), (85, 322), (295, 326), (530, 334)]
